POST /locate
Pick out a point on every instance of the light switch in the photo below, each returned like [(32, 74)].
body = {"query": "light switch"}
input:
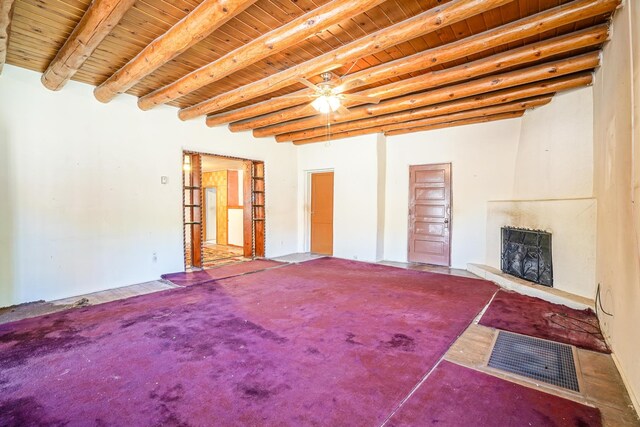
[(164, 179)]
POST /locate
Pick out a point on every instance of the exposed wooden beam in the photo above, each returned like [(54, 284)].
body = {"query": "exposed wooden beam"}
[(423, 23), (440, 125), (6, 12), (494, 98), (96, 23), (462, 90), (458, 123), (281, 38), (478, 112), (518, 30), (202, 21), (504, 60)]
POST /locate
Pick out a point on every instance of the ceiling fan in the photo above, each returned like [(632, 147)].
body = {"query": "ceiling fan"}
[(328, 95)]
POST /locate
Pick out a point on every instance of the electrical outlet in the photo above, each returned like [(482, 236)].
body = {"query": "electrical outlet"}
[(154, 257)]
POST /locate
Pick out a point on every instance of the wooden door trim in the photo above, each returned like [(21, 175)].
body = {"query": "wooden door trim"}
[(307, 205), (409, 220)]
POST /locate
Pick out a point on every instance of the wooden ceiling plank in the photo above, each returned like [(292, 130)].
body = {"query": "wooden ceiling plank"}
[(293, 9), (474, 87), (494, 98), (443, 122), (367, 24), (326, 38), (26, 31), (526, 27), (169, 14), (478, 112), (65, 8), (40, 24), (378, 16), (131, 38), (352, 31), (145, 16), (272, 18), (204, 19), (262, 47), (26, 54), (523, 28), (54, 19), (96, 23), (517, 57), (486, 119), (420, 24), (439, 125)]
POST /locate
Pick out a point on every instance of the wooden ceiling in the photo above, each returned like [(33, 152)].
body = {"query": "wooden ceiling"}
[(433, 63)]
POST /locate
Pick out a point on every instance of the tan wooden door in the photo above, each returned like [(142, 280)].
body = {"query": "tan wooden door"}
[(430, 214), (322, 213)]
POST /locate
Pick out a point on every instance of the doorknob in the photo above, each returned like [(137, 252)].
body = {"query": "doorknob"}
[(447, 216)]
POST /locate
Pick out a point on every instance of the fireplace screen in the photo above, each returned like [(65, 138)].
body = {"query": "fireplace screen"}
[(527, 254)]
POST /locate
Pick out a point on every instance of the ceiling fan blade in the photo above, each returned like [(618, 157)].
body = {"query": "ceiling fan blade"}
[(342, 110), (308, 84), (335, 77), (352, 84), (361, 98)]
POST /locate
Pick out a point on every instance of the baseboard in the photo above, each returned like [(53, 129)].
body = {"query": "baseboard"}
[(634, 400)]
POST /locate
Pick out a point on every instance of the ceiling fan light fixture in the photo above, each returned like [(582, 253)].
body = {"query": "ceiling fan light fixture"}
[(326, 103)]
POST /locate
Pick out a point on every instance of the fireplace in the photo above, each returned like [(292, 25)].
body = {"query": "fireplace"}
[(527, 254)]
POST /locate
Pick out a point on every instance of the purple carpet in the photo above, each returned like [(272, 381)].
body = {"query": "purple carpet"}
[(217, 273), (535, 317), (457, 396), (325, 342)]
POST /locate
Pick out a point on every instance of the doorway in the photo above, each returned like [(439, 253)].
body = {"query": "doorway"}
[(223, 202), (212, 219), (322, 213), (430, 214)]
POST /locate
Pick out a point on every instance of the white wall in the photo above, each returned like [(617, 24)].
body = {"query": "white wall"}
[(82, 208), (547, 154), (381, 152), (236, 226), (555, 149), (553, 189), (482, 158), (617, 168), (355, 211)]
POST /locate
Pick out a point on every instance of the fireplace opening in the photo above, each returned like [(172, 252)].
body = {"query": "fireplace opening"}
[(527, 254)]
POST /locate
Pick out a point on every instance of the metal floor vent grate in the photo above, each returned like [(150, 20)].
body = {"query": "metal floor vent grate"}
[(541, 360)]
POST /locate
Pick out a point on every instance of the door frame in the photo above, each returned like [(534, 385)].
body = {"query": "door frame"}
[(202, 236), (450, 208), (307, 205)]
